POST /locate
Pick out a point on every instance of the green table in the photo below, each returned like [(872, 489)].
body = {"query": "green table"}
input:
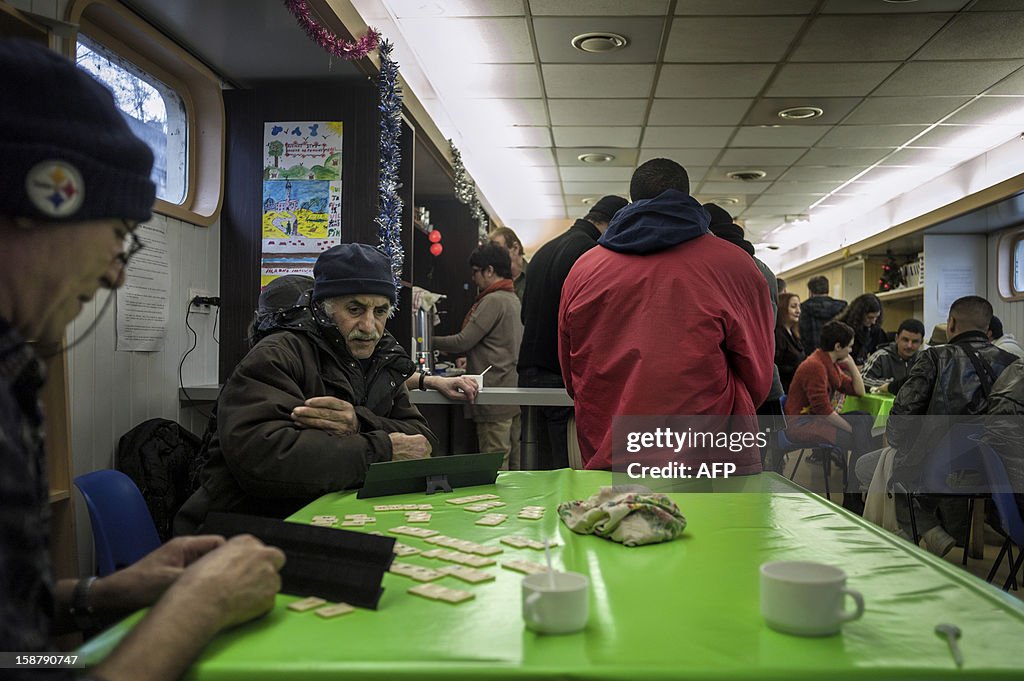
[(682, 610), (877, 405)]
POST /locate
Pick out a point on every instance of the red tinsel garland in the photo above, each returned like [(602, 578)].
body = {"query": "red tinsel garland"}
[(326, 39)]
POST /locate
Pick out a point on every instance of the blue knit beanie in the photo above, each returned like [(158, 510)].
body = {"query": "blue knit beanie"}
[(68, 155), (352, 269)]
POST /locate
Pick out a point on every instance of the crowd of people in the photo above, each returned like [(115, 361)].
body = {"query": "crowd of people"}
[(651, 307)]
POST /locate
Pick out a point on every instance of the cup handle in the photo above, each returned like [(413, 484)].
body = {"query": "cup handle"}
[(858, 599), (530, 603)]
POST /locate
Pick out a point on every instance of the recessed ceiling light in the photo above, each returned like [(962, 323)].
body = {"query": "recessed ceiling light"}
[(772, 247), (725, 200), (599, 43), (748, 175), (800, 113), (588, 200), (798, 219), (596, 158)]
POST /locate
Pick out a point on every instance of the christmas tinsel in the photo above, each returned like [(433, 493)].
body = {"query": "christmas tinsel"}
[(465, 192), (389, 219), (326, 39)]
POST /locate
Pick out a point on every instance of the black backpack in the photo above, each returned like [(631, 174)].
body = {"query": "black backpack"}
[(163, 458)]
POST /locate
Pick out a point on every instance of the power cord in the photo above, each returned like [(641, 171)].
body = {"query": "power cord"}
[(196, 302)]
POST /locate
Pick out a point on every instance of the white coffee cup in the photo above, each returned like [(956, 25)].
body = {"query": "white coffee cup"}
[(805, 598), (479, 378), (556, 603)]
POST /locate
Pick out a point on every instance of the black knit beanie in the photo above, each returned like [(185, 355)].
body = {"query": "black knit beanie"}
[(352, 269), (68, 155)]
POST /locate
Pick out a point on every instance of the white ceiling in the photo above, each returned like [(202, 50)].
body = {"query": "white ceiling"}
[(908, 89)]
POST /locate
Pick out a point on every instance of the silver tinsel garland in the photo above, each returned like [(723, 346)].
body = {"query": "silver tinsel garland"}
[(389, 219), (465, 192)]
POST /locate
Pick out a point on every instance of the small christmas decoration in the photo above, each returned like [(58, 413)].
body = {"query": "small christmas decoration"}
[(892, 274)]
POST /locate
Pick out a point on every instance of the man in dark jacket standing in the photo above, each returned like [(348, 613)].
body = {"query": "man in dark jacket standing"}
[(312, 405), (948, 380), (538, 355), (816, 310)]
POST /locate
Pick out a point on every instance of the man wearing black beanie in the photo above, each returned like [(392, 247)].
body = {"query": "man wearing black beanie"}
[(316, 401), (538, 354), (75, 185)]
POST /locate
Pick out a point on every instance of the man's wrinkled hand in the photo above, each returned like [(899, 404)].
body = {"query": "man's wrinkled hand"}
[(405, 447), (327, 413), (454, 387)]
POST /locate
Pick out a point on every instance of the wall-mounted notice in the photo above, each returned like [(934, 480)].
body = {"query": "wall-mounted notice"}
[(301, 195), (142, 303), (955, 282)]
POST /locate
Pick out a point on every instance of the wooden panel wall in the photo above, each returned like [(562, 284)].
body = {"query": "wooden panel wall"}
[(353, 103)]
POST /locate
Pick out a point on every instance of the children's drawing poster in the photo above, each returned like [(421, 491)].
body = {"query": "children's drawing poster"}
[(301, 195)]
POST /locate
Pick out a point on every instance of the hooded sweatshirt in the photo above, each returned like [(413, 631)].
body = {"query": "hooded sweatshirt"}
[(657, 320), (814, 312)]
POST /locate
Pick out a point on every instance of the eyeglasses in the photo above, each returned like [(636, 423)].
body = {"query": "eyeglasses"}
[(131, 244)]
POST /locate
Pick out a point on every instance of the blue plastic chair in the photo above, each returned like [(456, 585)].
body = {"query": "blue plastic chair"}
[(826, 449), (122, 528), (958, 451), (1012, 525)]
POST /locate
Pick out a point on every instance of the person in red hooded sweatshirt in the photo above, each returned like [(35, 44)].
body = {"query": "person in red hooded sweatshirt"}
[(662, 318)]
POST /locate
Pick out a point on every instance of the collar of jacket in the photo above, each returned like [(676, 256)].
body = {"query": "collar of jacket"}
[(969, 337), (587, 228), (652, 225)]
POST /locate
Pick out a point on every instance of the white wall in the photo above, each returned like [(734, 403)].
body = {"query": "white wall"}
[(946, 256)]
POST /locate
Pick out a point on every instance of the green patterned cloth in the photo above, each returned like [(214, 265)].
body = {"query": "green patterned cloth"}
[(629, 514)]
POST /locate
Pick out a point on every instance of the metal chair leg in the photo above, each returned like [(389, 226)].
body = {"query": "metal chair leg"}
[(797, 466), (998, 561), (826, 458), (913, 519), (1012, 579), (970, 523)]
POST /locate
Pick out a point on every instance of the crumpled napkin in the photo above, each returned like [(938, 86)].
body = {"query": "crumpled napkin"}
[(629, 514)]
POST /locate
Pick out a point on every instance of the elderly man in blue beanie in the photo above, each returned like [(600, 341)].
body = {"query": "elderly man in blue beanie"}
[(314, 403), (75, 185)]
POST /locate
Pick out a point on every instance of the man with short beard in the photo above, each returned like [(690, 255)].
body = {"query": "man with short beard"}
[(314, 403)]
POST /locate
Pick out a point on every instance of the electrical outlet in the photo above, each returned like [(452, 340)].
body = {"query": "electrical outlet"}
[(193, 293)]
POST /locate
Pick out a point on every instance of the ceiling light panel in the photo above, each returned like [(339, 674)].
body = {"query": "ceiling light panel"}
[(947, 78), (593, 8), (890, 110), (698, 111), (730, 39), (867, 38), (510, 136), (454, 8), (829, 80), (682, 137), (461, 80), (979, 35), (615, 80), (484, 113), (606, 136), (781, 136), (597, 111), (712, 80), (554, 36), (481, 41)]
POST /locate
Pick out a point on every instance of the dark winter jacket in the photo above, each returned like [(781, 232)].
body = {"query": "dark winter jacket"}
[(261, 463), (1004, 425), (885, 365), (789, 353), (866, 340), (549, 268), (814, 312), (943, 382)]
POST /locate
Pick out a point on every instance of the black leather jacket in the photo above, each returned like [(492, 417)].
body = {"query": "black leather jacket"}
[(943, 381)]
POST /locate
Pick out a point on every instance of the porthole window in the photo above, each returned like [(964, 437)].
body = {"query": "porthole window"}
[(153, 110)]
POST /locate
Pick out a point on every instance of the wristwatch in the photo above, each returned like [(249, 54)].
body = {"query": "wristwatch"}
[(423, 380), (81, 612)]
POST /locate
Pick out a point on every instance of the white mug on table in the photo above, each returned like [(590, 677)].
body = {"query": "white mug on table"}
[(805, 598), (556, 603)]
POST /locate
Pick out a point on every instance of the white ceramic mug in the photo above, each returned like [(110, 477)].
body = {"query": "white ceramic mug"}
[(805, 598), (557, 603)]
